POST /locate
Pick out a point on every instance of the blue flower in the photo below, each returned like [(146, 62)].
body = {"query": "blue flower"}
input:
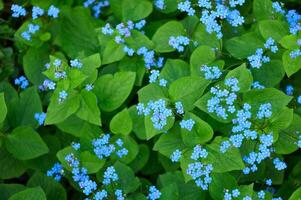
[(128, 50), (186, 7), (234, 3), (205, 4), (261, 194), (110, 176), (289, 90), (179, 108), (101, 195), (53, 11), (139, 25), (76, 63), (57, 62), (153, 193), (75, 146), (257, 85), (163, 82), (211, 73), (293, 19), (234, 18), (56, 171), (187, 124), (160, 4), (236, 140), (225, 145), (235, 193), (296, 53), (178, 42), (198, 152), (200, 173), (154, 74), (299, 99), (279, 165), (257, 59), (62, 95), (268, 182), (278, 7), (18, 11), (40, 117), (265, 111), (22, 82), (89, 87), (107, 30), (176, 155), (37, 12)]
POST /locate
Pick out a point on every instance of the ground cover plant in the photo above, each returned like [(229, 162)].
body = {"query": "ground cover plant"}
[(141, 99)]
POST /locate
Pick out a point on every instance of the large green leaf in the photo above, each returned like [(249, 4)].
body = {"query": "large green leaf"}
[(88, 109), (52, 188), (10, 167), (220, 182), (202, 55), (174, 69), (187, 90), (28, 142), (74, 32), (244, 77), (291, 65), (35, 193), (296, 195), (224, 162), (162, 35), (136, 9), (121, 123), (59, 111), (273, 28), (262, 9), (113, 52), (113, 90), (7, 190)]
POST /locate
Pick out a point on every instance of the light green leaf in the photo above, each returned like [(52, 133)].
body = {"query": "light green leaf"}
[(220, 182), (121, 123), (136, 9), (201, 56), (112, 53), (35, 193), (91, 162), (88, 109), (296, 195), (174, 69), (244, 77), (113, 90), (291, 65), (3, 108), (30, 144), (273, 28), (262, 9), (162, 35)]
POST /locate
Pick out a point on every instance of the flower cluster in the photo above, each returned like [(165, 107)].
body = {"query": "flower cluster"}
[(186, 6), (154, 193), (228, 195), (296, 53), (149, 58), (96, 6), (56, 171), (32, 29), (279, 165), (40, 117), (257, 85), (176, 155), (47, 84), (258, 58), (19, 11), (76, 63), (187, 124), (103, 148), (200, 172), (160, 4), (158, 111), (154, 75), (223, 100), (22, 82), (211, 73), (178, 42), (110, 176), (179, 108), (62, 96)]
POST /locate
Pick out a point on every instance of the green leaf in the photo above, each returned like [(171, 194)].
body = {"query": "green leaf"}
[(30, 144), (89, 68), (289, 42), (136, 9), (52, 188), (287, 139), (200, 133), (243, 76), (113, 90), (169, 192), (201, 36), (9, 166), (296, 195), (131, 145), (243, 46), (269, 95), (3, 108), (201, 56), (121, 123), (128, 181), (35, 193), (187, 90), (270, 74), (77, 127), (151, 131), (174, 69), (224, 162), (63, 153), (22, 110), (138, 40), (141, 159), (262, 9), (91, 162), (162, 35), (220, 182), (282, 120), (74, 32), (113, 52), (273, 28), (291, 65), (88, 109), (150, 92), (76, 77), (169, 142), (59, 111), (34, 61), (7, 190), (132, 64)]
